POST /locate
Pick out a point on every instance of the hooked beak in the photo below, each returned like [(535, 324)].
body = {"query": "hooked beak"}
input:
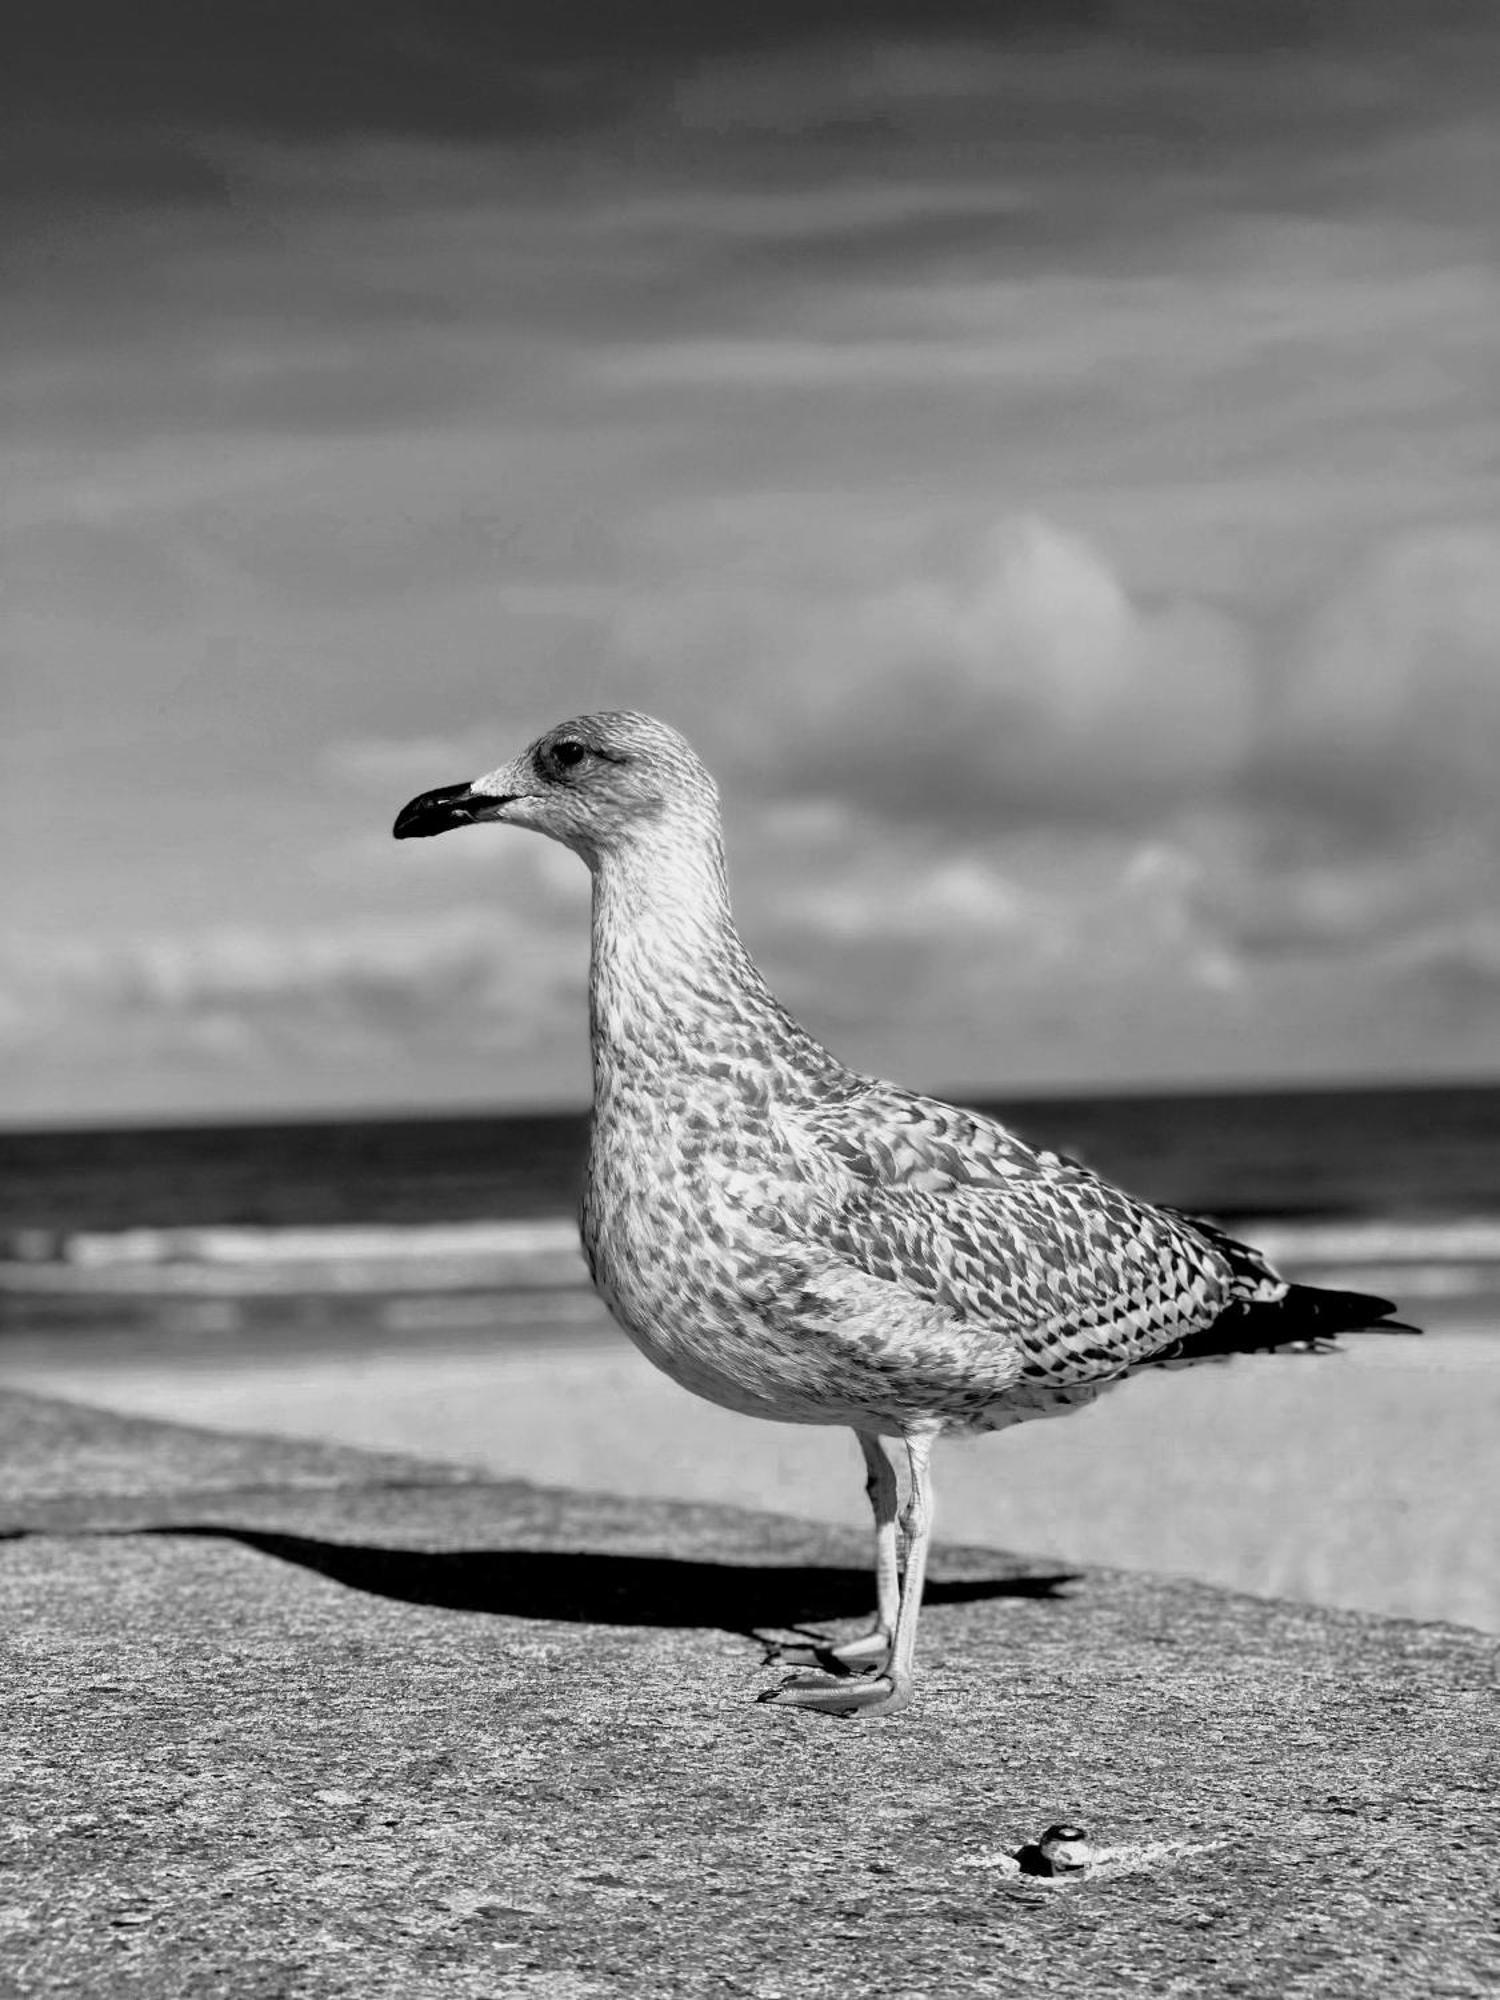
[(449, 806)]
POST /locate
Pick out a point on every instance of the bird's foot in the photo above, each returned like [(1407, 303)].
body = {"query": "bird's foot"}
[(864, 1694), (869, 1649)]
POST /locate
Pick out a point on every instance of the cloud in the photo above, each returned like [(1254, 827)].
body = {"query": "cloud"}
[(1092, 911), (1451, 974), (1029, 807), (1012, 679), (438, 66), (1391, 714), (384, 983)]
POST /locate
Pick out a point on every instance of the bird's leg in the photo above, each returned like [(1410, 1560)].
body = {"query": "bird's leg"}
[(917, 1522), (891, 1689), (874, 1645), (880, 1485)]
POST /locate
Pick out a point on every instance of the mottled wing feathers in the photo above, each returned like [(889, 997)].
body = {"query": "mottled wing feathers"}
[(1256, 1281), (1083, 1281), (891, 1137)]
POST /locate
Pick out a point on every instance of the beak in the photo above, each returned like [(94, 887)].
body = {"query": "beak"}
[(445, 808)]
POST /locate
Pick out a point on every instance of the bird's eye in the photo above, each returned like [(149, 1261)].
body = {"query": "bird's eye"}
[(569, 752)]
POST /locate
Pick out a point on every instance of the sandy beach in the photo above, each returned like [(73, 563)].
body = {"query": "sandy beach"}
[(1363, 1480)]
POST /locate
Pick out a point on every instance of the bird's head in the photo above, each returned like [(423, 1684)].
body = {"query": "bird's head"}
[(597, 784)]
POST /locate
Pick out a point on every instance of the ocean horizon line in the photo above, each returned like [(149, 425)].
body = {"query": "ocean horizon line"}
[(980, 1096)]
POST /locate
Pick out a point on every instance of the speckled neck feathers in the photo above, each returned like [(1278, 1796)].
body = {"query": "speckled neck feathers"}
[(671, 985)]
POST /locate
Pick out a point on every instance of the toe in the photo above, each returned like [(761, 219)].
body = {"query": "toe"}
[(869, 1649), (868, 1694), (868, 1646)]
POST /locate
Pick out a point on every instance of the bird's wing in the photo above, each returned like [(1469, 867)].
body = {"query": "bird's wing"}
[(1083, 1280)]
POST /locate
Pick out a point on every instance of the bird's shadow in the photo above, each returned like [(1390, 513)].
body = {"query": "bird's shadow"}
[(588, 1588)]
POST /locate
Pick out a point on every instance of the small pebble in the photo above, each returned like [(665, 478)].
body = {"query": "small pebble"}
[(1066, 1850)]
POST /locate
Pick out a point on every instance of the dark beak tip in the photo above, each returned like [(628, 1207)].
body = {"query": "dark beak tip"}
[(432, 813)]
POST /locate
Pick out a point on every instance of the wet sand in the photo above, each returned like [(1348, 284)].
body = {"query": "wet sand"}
[(1367, 1480)]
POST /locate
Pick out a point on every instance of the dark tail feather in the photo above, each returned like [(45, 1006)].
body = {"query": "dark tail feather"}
[(1305, 1320), (1327, 1312)]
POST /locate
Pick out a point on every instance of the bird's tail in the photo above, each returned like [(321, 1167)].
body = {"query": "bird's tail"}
[(1305, 1319), (1269, 1312), (1323, 1311)]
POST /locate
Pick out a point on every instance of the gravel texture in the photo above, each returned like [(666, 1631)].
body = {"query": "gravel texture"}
[(282, 1720)]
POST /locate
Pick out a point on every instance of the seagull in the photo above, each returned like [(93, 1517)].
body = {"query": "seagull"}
[(797, 1241)]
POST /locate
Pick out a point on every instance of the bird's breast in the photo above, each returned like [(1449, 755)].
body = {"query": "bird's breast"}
[(683, 1185), (676, 1169)]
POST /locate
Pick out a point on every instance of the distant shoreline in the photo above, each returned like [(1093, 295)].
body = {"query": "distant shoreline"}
[(196, 1292), (542, 1254)]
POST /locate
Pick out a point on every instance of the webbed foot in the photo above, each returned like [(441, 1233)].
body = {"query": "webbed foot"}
[(869, 1649), (864, 1694)]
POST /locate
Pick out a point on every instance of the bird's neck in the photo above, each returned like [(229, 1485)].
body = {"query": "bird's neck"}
[(671, 985)]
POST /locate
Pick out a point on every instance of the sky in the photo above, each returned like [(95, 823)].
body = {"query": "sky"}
[(1046, 456)]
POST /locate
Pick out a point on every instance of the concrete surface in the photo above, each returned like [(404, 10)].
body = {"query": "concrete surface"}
[(287, 1720)]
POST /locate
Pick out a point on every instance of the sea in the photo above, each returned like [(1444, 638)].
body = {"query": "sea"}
[(234, 1229)]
